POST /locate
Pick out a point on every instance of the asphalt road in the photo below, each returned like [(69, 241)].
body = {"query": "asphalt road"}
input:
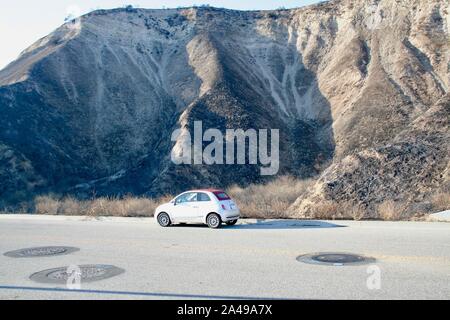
[(255, 259)]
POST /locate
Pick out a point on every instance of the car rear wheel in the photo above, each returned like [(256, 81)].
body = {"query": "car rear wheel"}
[(214, 221), (164, 220), (232, 223)]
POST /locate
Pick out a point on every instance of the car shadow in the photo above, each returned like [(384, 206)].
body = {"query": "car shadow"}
[(272, 224), (285, 224)]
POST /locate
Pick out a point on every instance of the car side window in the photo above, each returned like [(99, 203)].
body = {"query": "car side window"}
[(203, 197), (181, 199), (187, 197), (192, 197)]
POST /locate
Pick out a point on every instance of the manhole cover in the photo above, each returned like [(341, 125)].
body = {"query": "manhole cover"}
[(40, 252), (88, 273), (335, 259)]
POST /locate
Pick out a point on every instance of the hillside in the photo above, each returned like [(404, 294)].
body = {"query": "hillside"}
[(359, 91)]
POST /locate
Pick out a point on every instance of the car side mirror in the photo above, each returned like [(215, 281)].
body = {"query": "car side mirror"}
[(173, 202)]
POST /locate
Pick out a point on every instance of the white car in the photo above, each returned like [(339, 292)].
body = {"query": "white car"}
[(211, 207)]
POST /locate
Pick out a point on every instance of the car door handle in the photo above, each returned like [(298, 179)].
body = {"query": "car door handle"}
[(194, 207)]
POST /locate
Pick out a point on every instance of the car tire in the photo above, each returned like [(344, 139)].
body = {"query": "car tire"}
[(231, 223), (213, 221), (164, 220)]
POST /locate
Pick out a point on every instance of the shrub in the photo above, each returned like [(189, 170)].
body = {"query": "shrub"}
[(325, 210), (441, 201), (117, 207), (391, 210), (332, 210), (271, 200), (46, 205), (355, 211)]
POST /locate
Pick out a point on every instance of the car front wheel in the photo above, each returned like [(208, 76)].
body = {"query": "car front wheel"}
[(164, 220), (214, 221)]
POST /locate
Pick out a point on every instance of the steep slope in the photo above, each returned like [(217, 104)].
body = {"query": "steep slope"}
[(408, 170), (91, 110)]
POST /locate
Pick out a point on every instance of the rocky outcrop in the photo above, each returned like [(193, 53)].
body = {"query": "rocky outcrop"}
[(412, 167)]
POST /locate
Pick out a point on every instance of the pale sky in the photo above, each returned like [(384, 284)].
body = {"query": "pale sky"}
[(22, 22)]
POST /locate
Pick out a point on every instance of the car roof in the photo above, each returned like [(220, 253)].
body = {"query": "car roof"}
[(207, 190)]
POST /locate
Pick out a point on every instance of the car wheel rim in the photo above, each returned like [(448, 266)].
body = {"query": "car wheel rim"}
[(163, 220), (213, 221)]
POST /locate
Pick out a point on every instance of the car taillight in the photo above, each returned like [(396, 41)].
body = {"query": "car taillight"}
[(223, 207)]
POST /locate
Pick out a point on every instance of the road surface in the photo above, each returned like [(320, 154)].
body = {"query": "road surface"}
[(255, 259)]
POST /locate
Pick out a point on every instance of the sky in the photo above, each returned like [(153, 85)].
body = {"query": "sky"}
[(22, 22)]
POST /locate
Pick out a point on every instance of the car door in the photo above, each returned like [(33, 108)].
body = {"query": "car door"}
[(185, 209), (203, 204)]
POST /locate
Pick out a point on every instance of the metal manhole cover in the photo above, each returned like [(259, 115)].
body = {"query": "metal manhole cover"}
[(335, 259), (88, 273), (40, 252)]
